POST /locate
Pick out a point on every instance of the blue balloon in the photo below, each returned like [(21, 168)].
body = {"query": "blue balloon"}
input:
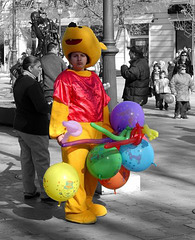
[(137, 158)]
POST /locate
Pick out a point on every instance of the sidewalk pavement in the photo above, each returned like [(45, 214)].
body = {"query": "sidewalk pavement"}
[(162, 210)]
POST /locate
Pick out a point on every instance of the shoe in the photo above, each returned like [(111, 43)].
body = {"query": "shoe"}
[(177, 117), (98, 209), (29, 196), (86, 217), (184, 117), (47, 200)]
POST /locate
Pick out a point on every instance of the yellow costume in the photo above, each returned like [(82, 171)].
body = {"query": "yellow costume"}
[(80, 96)]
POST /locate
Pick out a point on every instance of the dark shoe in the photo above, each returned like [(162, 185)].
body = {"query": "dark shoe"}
[(166, 108), (184, 117), (47, 200), (28, 196)]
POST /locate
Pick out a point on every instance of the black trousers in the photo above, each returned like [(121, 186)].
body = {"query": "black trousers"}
[(181, 108)]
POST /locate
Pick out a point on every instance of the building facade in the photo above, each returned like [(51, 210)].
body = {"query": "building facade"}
[(161, 34)]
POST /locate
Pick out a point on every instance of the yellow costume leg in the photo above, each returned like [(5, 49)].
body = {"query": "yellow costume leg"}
[(80, 208), (76, 209), (90, 187)]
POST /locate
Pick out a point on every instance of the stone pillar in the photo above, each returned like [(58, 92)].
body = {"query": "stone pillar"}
[(109, 68)]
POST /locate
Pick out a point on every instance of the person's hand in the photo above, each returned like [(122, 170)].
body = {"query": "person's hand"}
[(124, 68), (59, 139), (106, 85)]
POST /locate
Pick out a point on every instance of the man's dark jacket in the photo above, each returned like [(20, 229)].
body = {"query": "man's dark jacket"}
[(137, 81), (52, 66)]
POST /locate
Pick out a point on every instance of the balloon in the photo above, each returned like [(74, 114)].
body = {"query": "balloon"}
[(169, 98), (125, 114), (107, 133), (103, 163), (73, 129), (61, 181), (118, 180), (137, 158), (86, 141)]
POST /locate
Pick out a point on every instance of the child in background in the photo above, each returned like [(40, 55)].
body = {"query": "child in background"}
[(180, 85), (162, 88), (154, 77)]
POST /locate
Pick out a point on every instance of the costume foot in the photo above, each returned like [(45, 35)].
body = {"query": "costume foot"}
[(86, 217), (98, 210)]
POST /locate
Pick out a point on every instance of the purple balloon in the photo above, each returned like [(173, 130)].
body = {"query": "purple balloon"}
[(125, 114)]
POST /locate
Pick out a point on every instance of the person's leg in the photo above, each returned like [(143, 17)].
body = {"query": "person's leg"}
[(90, 187), (80, 208), (38, 146), (157, 97), (184, 108), (166, 106), (27, 166), (177, 109), (188, 106), (41, 158), (76, 209), (160, 101)]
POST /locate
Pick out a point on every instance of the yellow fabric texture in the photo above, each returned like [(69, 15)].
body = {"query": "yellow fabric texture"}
[(80, 208), (76, 157), (82, 39), (59, 113)]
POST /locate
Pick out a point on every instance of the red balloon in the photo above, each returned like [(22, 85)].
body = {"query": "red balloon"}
[(118, 180)]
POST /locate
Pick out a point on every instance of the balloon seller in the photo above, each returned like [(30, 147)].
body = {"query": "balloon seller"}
[(79, 95)]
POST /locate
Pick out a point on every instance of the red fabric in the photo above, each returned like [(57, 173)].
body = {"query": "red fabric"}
[(84, 96)]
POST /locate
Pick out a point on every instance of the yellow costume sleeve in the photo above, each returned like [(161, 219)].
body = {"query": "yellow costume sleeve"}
[(59, 114), (106, 119)]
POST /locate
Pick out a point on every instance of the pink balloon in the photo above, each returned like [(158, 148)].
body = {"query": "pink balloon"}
[(73, 129)]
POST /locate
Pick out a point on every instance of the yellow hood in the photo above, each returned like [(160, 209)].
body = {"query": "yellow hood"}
[(82, 39)]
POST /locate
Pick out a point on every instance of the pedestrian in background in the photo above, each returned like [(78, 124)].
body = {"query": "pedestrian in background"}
[(155, 75), (180, 85), (162, 88), (52, 65), (136, 77), (31, 123), (163, 67), (184, 58)]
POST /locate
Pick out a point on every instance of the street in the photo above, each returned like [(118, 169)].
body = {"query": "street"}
[(161, 210)]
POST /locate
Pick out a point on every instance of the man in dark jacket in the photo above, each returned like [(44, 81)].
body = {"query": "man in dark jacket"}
[(52, 65), (137, 77)]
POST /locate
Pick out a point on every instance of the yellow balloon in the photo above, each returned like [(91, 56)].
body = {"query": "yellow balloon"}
[(61, 182)]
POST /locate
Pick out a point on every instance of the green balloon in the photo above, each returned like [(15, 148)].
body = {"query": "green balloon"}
[(104, 163)]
